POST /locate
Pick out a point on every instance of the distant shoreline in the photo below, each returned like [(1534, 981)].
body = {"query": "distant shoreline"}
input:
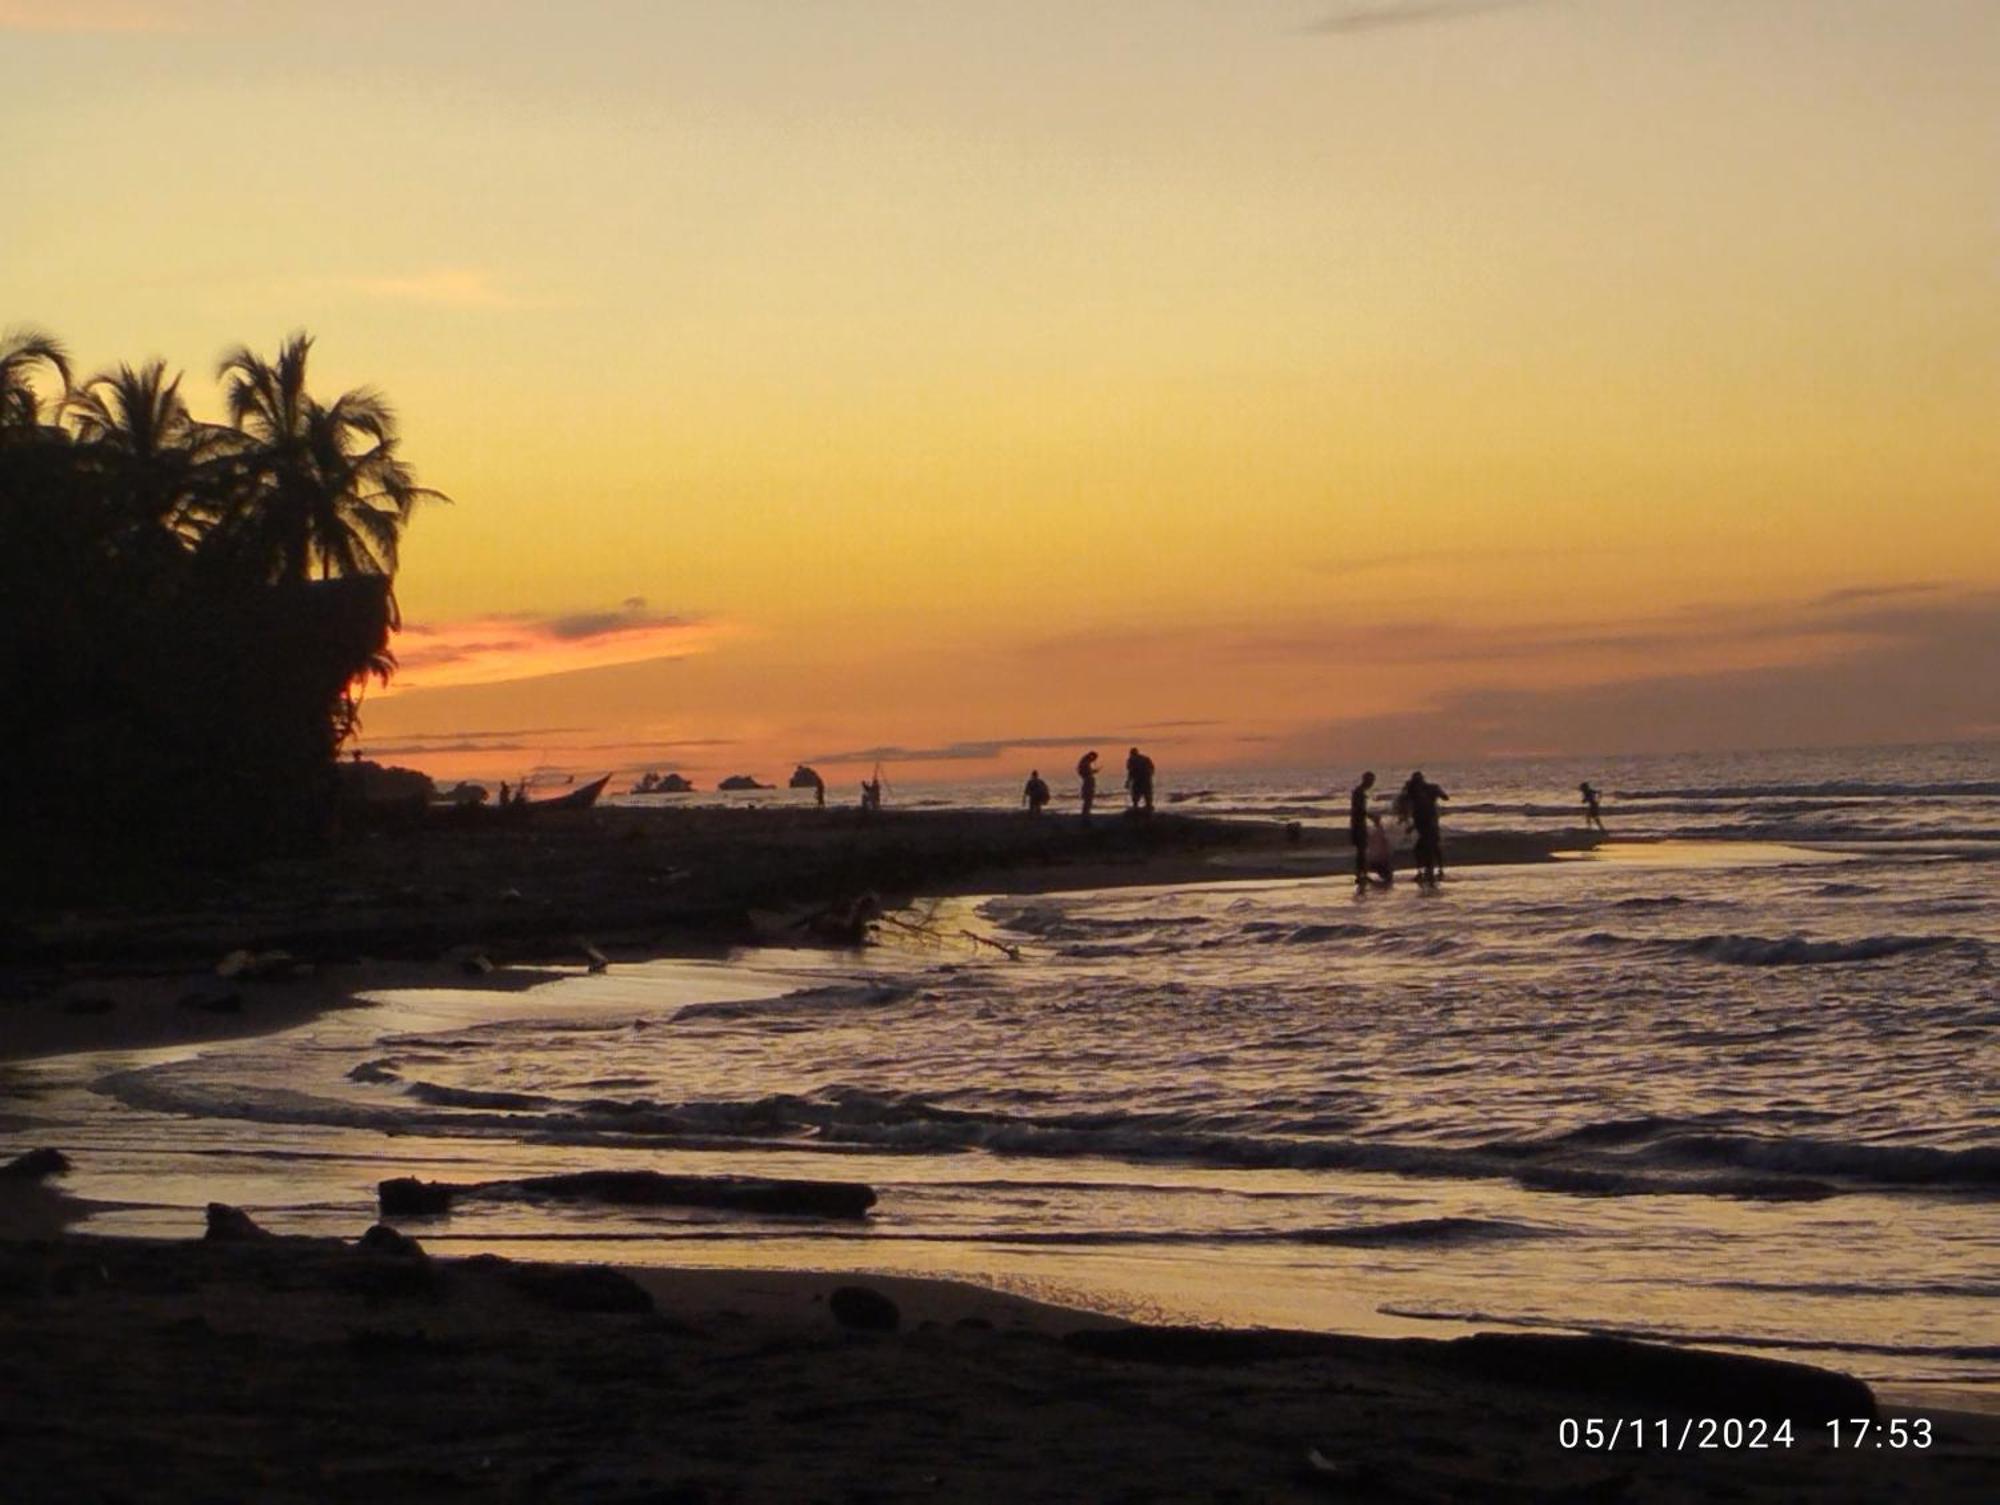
[(472, 904)]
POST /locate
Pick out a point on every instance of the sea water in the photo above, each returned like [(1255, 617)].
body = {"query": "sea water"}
[(1731, 1081)]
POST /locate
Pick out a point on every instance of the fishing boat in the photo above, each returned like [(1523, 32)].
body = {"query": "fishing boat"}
[(580, 798)]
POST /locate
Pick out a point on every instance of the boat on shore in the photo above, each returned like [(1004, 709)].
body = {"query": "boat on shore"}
[(580, 798)]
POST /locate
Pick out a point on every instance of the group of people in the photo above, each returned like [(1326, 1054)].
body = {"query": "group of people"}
[(1416, 807), (1138, 784)]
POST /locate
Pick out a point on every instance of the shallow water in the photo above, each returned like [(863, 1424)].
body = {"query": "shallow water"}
[(1732, 1091)]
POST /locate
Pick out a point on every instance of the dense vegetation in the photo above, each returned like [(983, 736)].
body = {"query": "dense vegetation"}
[(187, 609)]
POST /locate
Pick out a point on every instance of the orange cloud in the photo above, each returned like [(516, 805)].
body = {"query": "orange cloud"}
[(509, 646)]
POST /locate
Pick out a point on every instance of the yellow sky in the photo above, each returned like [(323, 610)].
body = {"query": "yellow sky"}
[(941, 373)]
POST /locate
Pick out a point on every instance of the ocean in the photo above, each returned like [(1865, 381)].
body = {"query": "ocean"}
[(1731, 1081)]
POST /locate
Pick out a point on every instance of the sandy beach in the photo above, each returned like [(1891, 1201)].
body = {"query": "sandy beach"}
[(252, 1367), (244, 1365)]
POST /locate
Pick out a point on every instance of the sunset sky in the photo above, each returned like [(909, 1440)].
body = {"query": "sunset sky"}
[(1267, 381)]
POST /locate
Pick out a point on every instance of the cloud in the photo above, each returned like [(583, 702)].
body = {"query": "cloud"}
[(1879, 593), (510, 646), (1385, 15), (1720, 634), (959, 752), (1920, 673)]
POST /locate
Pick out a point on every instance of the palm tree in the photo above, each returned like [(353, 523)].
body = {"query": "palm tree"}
[(153, 453), (21, 351), (327, 493)]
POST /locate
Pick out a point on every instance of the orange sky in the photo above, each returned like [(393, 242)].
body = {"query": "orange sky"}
[(1273, 381)]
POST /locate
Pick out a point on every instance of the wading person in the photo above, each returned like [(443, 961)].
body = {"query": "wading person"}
[(1357, 828), (1592, 816), (1086, 773), (1418, 805)]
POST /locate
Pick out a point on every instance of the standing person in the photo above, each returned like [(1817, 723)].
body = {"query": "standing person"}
[(1381, 857), (1420, 799), (1139, 779), (1592, 816), (1035, 793), (1357, 827), (1086, 772)]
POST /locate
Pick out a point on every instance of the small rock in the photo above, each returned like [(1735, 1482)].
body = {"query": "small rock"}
[(864, 1309), (580, 1288), (36, 1165), (212, 1003), (406, 1196), (232, 1225), (382, 1239), (596, 960)]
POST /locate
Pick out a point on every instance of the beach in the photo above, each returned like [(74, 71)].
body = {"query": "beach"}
[(1370, 1195), (293, 1369), (426, 903)]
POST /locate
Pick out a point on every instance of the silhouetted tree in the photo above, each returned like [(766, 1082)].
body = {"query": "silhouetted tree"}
[(159, 468), (186, 610), (328, 493), (21, 404)]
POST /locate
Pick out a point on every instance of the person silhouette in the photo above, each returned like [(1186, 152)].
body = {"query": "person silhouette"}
[(1381, 856), (1086, 772), (1357, 826), (1139, 780), (1592, 815), (1035, 793), (1418, 804)]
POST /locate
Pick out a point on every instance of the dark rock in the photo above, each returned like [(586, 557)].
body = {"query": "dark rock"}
[(864, 1310), (407, 1197), (741, 781), (382, 1239), (89, 1005), (580, 1288), (377, 1343), (1200, 1345), (973, 1325), (36, 1165), (822, 1199), (232, 1225), (212, 1003), (257, 964), (1679, 1381)]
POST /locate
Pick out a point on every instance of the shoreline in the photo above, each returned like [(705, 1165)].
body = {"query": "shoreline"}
[(504, 907), (295, 1368)]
